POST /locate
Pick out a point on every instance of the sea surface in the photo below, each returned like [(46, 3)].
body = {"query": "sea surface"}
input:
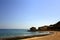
[(4, 33)]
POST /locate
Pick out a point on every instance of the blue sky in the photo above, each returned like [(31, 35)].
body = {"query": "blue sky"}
[(23, 14)]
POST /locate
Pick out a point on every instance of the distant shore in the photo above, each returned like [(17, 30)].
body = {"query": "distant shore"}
[(24, 37), (54, 36)]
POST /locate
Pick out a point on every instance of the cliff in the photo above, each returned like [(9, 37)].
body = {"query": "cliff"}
[(54, 27)]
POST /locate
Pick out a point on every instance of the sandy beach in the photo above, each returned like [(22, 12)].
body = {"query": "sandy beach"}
[(54, 36)]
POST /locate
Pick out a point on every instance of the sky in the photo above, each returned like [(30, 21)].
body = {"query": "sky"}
[(23, 14)]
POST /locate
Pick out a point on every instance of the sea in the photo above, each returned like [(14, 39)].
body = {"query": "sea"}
[(5, 33)]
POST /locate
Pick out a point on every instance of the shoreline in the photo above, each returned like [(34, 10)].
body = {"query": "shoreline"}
[(24, 37), (54, 36)]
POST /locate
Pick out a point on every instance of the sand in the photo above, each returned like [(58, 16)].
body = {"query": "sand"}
[(54, 36)]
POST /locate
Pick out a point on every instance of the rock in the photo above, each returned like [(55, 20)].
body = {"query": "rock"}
[(32, 29), (43, 28)]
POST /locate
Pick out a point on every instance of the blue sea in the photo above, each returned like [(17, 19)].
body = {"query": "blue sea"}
[(4, 33)]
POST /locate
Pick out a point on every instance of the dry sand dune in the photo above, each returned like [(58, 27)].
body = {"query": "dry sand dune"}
[(54, 36)]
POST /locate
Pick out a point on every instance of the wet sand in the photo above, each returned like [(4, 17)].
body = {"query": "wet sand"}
[(54, 36)]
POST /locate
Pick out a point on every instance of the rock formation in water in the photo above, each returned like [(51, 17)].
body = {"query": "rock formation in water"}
[(32, 29)]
